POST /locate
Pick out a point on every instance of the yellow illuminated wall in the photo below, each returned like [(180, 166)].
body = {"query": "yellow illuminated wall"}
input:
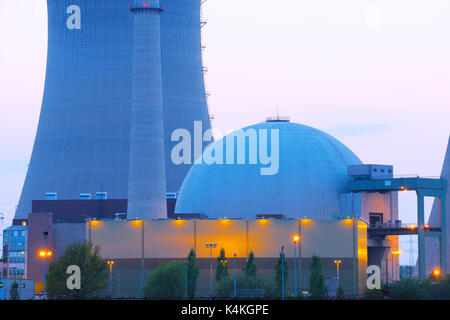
[(267, 236), (174, 238), (118, 239), (328, 239), (169, 238), (362, 255), (229, 234)]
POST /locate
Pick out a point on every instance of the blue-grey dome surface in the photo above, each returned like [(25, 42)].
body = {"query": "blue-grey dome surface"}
[(312, 172)]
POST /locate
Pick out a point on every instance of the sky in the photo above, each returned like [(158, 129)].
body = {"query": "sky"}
[(373, 73)]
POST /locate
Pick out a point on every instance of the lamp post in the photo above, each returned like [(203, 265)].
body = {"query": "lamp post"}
[(110, 263), (44, 254), (210, 246), (234, 275), (338, 262), (186, 279), (282, 272), (395, 253), (295, 238)]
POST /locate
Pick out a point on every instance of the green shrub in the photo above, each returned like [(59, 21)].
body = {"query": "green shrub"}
[(166, 282)]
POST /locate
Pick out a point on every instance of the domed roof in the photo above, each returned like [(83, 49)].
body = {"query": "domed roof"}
[(312, 172)]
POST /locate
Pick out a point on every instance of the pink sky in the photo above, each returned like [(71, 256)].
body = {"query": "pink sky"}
[(373, 73)]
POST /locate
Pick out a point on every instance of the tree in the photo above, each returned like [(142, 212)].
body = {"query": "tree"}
[(340, 293), (94, 273), (14, 291), (224, 286), (193, 273), (317, 286), (222, 266), (250, 267), (278, 272), (166, 282)]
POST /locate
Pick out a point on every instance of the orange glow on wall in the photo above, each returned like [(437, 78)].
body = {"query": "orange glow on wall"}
[(225, 222), (95, 223), (348, 221), (263, 222), (136, 223), (305, 221), (38, 287), (362, 252), (179, 222)]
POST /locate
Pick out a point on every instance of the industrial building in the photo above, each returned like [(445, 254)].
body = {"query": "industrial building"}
[(121, 78)]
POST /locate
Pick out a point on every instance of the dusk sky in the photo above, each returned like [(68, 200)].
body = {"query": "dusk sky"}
[(373, 73)]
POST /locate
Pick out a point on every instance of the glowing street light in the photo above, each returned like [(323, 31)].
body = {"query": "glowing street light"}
[(436, 273), (110, 263), (296, 239), (396, 253), (338, 262), (210, 246), (45, 254)]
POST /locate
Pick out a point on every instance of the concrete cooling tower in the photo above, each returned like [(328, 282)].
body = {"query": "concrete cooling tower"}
[(432, 245), (82, 143)]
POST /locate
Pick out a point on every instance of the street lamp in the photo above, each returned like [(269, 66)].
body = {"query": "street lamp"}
[(395, 253), (234, 274), (282, 272), (338, 262), (110, 263), (186, 279), (436, 273), (295, 238), (210, 246), (45, 254)]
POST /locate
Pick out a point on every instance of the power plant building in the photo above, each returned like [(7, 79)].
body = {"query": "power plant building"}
[(122, 77)]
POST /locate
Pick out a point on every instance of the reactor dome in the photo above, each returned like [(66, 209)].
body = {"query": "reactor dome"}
[(299, 171)]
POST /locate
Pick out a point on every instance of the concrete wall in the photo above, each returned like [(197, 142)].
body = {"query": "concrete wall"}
[(171, 240), (66, 233), (37, 224)]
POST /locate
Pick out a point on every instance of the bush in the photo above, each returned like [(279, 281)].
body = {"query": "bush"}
[(193, 273), (225, 288), (340, 293), (94, 273), (166, 282), (316, 280), (14, 291)]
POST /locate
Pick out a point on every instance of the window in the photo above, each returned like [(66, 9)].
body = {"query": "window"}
[(375, 219)]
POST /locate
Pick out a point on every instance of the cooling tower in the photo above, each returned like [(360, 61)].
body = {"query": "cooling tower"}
[(432, 246), (82, 143), (147, 176)]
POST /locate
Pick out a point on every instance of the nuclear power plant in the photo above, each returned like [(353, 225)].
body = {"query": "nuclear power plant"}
[(123, 109)]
